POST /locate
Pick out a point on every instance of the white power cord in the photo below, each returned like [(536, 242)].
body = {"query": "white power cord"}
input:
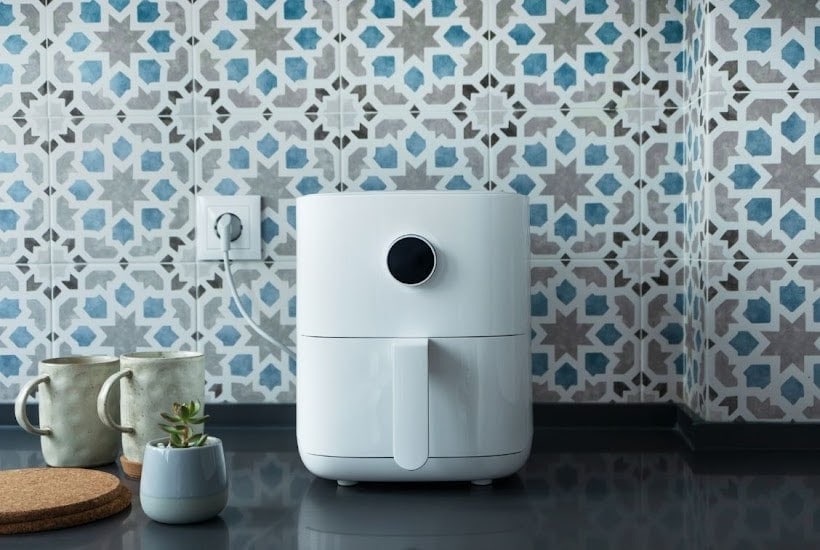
[(228, 227)]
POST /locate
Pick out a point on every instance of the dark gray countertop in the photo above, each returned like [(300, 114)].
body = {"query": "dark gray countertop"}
[(637, 497)]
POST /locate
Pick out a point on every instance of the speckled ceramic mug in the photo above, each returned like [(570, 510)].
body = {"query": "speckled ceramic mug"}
[(71, 432), (150, 382)]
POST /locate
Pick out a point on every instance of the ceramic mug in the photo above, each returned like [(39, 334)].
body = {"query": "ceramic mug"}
[(150, 382), (71, 432)]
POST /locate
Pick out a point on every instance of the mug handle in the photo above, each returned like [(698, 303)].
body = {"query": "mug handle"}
[(20, 406), (102, 401)]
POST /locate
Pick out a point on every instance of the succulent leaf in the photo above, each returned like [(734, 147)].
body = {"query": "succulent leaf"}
[(170, 418), (183, 417), (171, 429)]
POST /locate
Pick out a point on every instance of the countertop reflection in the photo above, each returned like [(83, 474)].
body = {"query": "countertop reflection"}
[(585, 499), (392, 516)]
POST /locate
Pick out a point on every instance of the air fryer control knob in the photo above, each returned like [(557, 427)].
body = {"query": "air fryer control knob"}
[(411, 259)]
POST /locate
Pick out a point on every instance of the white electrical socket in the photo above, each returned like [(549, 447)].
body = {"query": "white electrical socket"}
[(248, 246)]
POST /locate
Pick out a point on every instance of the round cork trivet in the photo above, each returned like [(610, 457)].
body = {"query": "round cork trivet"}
[(121, 501), (39, 499), (131, 469), (40, 493)]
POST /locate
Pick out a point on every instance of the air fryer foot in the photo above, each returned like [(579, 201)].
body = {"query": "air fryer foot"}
[(346, 483), (481, 482)]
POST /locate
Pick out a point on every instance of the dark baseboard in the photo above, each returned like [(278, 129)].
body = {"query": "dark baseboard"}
[(577, 427), (252, 415), (608, 415), (747, 436), (634, 421), (568, 427), (245, 415)]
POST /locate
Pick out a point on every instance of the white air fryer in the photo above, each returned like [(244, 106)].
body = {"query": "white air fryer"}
[(413, 336)]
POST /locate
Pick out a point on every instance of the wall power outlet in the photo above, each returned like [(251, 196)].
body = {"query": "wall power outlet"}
[(248, 246)]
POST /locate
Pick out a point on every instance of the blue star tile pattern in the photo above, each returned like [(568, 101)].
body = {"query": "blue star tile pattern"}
[(763, 175), (23, 87), (663, 189), (278, 158), (25, 318), (695, 389), (696, 222), (111, 57), (431, 150), (764, 46), (764, 340), (551, 54), (240, 365), (695, 50), (422, 56), (24, 201), (122, 189), (582, 170), (663, 318), (263, 57), (117, 308), (585, 320), (675, 140)]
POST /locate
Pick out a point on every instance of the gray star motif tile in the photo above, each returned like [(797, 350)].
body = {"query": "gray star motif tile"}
[(414, 55), (122, 189), (279, 158), (114, 308), (241, 365), (430, 150), (265, 57), (580, 170), (663, 189), (763, 175), (757, 46), (585, 315), (663, 359), (663, 53), (126, 58), (25, 325), (24, 201), (574, 54), (764, 340), (23, 88)]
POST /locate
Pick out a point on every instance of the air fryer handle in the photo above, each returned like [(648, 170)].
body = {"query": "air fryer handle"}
[(410, 403)]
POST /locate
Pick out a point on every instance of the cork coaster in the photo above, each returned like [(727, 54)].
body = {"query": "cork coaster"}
[(38, 499), (39, 493), (131, 469), (121, 501)]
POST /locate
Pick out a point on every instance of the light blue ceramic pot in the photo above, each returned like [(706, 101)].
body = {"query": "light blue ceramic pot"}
[(183, 485)]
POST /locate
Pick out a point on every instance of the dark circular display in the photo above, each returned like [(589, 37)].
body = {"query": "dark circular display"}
[(411, 259)]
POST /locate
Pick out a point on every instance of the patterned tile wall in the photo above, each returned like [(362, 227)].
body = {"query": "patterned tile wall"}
[(758, 112), (117, 113), (695, 222), (586, 331)]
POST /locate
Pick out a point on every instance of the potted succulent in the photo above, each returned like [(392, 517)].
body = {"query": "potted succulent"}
[(183, 475)]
